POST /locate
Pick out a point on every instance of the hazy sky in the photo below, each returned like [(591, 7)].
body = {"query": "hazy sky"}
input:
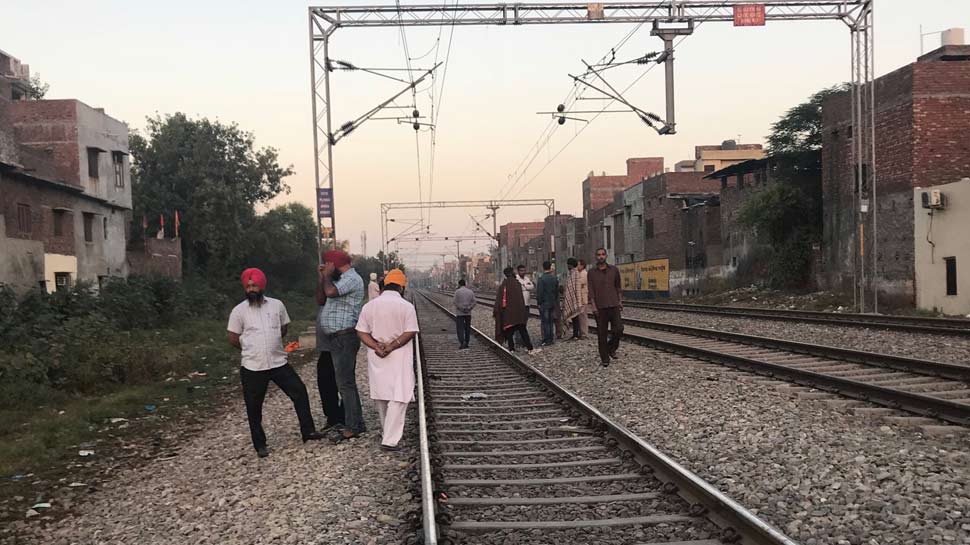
[(248, 62)]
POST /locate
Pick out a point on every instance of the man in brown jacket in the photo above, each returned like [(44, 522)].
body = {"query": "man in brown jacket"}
[(606, 297), (511, 312)]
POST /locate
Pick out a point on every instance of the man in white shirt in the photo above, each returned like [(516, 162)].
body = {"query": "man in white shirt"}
[(373, 290), (386, 326), (257, 327)]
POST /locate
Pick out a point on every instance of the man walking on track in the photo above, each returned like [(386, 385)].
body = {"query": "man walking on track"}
[(464, 303), (510, 312), (573, 304), (387, 325), (257, 327), (547, 296), (606, 296), (583, 299), (340, 294)]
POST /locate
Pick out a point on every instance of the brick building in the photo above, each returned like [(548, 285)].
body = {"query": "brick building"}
[(598, 190), (922, 140), (739, 245), (513, 237)]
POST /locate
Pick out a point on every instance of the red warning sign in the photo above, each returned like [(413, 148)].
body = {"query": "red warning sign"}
[(749, 15)]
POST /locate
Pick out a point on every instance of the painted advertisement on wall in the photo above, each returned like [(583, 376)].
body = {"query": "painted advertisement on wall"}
[(646, 279)]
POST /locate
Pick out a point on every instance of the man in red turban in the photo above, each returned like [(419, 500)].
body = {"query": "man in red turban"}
[(257, 327), (340, 294)]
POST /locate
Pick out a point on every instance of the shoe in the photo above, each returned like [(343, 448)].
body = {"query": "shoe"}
[(344, 435), (614, 356), (534, 351), (262, 452), (395, 448), (332, 425), (315, 436), (605, 364)]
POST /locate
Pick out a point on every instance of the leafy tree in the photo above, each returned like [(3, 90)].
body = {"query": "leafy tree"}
[(366, 265), (787, 214), (214, 176), (284, 246), (36, 88)]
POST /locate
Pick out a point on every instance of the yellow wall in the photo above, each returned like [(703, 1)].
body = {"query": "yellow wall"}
[(57, 263), (649, 275)]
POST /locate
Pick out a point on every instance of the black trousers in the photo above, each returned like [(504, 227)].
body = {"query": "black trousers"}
[(333, 407), (523, 335), (609, 340), (254, 386), (464, 326)]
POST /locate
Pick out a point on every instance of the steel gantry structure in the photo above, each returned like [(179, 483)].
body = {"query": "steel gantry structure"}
[(670, 18)]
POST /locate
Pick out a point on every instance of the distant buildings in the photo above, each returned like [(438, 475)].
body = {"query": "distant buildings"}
[(670, 232), (65, 189)]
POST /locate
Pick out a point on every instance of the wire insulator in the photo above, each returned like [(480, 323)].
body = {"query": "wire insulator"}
[(415, 114), (562, 120), (561, 108)]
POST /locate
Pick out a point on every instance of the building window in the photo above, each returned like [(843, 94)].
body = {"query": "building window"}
[(93, 155), (59, 216), (23, 219), (88, 227), (62, 281), (118, 160), (951, 275), (708, 168), (648, 229), (104, 227)]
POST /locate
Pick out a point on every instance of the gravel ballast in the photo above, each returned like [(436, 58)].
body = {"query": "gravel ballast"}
[(217, 491), (945, 348), (819, 473)]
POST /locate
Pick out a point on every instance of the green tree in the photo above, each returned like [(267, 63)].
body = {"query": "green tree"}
[(213, 175), (284, 246), (36, 88), (787, 214)]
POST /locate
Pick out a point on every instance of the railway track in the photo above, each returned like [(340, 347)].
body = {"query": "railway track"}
[(915, 324), (924, 387), (515, 458)]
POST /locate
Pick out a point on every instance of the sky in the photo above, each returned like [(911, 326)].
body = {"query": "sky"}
[(248, 62)]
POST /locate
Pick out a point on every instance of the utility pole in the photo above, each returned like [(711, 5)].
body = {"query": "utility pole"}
[(363, 243)]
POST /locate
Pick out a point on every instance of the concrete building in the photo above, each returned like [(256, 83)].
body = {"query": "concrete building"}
[(739, 245), (942, 247), (708, 159), (65, 191), (922, 140)]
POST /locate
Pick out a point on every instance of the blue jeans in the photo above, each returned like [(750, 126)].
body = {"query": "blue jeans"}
[(548, 326), (340, 362)]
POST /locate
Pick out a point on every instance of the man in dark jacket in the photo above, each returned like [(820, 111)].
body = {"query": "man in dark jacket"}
[(606, 297), (510, 312), (547, 295)]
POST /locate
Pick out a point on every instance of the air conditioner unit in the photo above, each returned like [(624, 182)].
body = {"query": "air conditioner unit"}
[(933, 199)]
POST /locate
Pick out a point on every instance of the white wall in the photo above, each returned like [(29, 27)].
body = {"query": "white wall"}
[(944, 233)]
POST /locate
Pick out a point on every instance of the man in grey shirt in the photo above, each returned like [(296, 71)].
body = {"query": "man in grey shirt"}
[(464, 303)]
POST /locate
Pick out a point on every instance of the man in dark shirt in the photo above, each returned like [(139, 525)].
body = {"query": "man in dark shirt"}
[(606, 298), (547, 296)]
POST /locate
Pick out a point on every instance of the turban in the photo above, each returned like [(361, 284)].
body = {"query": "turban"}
[(339, 258), (373, 276), (395, 276), (256, 276)]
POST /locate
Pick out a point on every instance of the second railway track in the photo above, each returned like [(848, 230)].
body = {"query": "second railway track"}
[(924, 387), (515, 458)]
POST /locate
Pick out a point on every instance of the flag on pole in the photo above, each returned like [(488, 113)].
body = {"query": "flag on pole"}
[(176, 224)]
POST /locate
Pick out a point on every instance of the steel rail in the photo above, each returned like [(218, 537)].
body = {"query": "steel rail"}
[(943, 409), (720, 508), (916, 324), (428, 524)]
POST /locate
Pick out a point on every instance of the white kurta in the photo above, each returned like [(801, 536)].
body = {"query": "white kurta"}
[(386, 318)]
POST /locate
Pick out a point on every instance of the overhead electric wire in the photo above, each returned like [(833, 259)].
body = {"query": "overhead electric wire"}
[(607, 106)]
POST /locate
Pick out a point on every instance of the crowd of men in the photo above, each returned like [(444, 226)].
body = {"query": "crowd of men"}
[(560, 307), (387, 325)]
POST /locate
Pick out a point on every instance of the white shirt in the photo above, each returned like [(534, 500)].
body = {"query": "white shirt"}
[(527, 287), (386, 318), (373, 290), (259, 333)]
